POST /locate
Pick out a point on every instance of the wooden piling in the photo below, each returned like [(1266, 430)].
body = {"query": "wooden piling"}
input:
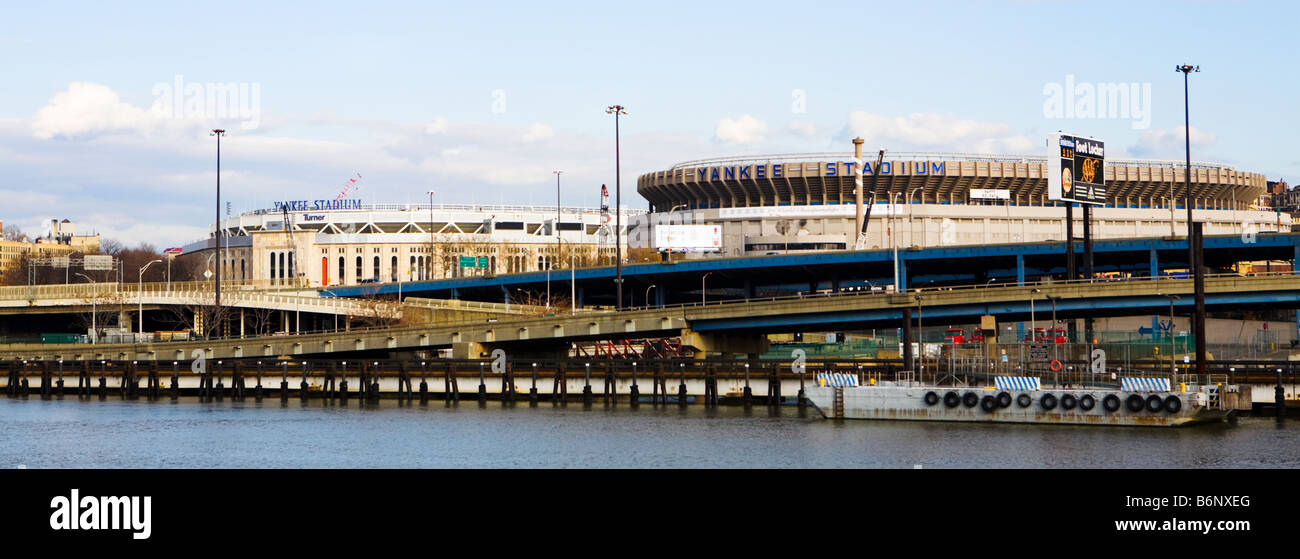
[(559, 385)]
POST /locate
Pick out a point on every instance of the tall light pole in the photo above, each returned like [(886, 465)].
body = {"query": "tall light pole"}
[(1196, 268), (139, 291), (216, 248), (1187, 136), (94, 332), (647, 295), (702, 288), (617, 110)]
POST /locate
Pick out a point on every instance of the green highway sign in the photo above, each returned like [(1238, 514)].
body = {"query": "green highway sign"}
[(467, 262), (483, 262)]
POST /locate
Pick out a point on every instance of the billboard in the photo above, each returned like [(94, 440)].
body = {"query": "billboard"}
[(98, 262), (1076, 169), (688, 238)]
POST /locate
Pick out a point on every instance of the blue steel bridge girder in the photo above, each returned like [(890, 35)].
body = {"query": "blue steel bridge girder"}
[(1023, 262), (1006, 312)]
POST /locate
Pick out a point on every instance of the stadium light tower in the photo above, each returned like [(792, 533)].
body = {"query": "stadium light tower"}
[(617, 110), (216, 313)]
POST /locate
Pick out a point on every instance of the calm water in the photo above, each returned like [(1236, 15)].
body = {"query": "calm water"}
[(189, 434)]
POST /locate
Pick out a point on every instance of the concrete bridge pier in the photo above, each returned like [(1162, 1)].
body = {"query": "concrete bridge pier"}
[(725, 344)]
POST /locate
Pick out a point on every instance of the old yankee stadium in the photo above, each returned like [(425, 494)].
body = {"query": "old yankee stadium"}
[(805, 202)]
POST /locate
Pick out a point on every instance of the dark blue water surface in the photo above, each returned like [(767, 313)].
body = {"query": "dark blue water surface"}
[(190, 434)]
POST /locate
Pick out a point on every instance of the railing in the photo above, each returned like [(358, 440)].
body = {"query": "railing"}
[(911, 292), (473, 305), (104, 289), (447, 207)]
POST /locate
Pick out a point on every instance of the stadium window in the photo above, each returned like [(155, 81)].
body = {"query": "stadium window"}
[(376, 276), (359, 270), (342, 269), (392, 273)]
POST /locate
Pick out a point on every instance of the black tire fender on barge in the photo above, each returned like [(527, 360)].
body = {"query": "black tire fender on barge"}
[(1173, 404), (1155, 404), (970, 399), (1069, 401), (1024, 400), (951, 400), (1048, 402), (1134, 403), (1110, 403), (931, 398), (1004, 400), (988, 403), (1087, 402)]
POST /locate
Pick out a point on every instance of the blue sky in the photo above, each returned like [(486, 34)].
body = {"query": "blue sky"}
[(481, 100)]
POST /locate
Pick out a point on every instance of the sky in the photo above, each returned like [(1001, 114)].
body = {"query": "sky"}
[(106, 108)]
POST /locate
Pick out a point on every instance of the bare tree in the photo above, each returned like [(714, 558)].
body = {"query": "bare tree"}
[(379, 311), (201, 316), (105, 311), (558, 299), (260, 319)]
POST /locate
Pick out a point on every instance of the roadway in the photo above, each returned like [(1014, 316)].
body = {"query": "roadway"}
[(789, 274), (735, 326)]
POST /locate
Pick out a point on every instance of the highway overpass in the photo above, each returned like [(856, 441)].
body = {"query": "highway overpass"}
[(736, 326)]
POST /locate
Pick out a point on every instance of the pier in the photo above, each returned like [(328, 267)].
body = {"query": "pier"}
[(1264, 387)]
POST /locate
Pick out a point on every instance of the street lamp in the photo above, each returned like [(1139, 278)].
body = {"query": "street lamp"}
[(428, 256), (920, 336), (139, 287), (911, 234), (1056, 352), (702, 288), (893, 211), (94, 332), (1033, 325), (647, 295), (1172, 348), (218, 132), (617, 110), (558, 246)]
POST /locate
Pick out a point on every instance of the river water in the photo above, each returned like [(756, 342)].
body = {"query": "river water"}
[(190, 434)]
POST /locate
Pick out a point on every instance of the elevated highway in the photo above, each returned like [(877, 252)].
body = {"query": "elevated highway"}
[(735, 326)]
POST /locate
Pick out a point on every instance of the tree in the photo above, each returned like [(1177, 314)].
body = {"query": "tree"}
[(13, 233), (111, 246), (105, 309), (379, 311), (199, 314)]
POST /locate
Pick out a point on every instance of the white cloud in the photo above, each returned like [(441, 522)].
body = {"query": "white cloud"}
[(436, 126), (537, 132), (803, 128), (743, 130), (86, 108), (937, 132), (1170, 143), (151, 180)]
